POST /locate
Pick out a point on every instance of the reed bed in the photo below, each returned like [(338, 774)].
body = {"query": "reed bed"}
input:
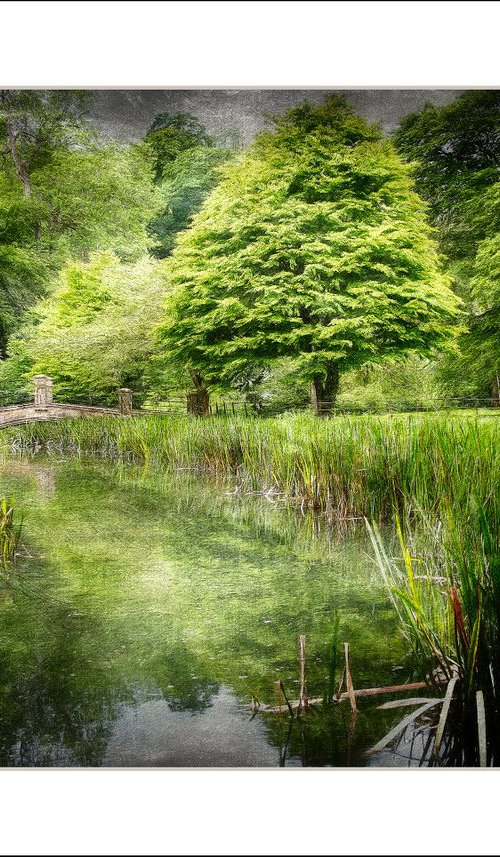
[(348, 466), (445, 584)]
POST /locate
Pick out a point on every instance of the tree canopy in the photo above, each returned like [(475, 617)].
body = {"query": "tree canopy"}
[(313, 246), (170, 134), (63, 193), (95, 332), (187, 182), (455, 150)]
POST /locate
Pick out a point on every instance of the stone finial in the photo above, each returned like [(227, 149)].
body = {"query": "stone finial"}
[(44, 391)]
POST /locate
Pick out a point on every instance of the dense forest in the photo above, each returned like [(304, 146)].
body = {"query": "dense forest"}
[(325, 259)]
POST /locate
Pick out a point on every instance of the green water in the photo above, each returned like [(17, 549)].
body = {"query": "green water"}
[(145, 611)]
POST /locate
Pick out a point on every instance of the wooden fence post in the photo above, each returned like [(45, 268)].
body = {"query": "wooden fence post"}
[(125, 401)]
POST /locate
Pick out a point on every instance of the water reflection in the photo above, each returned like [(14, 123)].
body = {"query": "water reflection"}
[(154, 734), (148, 611)]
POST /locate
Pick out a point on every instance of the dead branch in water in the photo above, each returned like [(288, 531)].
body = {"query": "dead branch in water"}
[(303, 701), (358, 694), (350, 687)]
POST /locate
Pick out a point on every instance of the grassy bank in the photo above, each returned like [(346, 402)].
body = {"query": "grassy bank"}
[(349, 465)]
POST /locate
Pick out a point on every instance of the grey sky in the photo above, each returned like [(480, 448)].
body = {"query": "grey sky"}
[(127, 114)]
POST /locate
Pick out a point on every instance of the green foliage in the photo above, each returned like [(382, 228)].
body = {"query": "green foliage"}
[(187, 181), (411, 383), (35, 124), (171, 134), (95, 333), (456, 155), (22, 279), (312, 247), (97, 199), (274, 389), (9, 534), (456, 152), (62, 194)]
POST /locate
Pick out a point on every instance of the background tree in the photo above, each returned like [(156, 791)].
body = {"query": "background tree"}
[(34, 125), (456, 154), (173, 133), (479, 357), (315, 247), (187, 182), (96, 332), (63, 194)]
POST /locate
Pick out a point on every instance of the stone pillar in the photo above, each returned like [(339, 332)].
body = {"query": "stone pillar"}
[(125, 401), (43, 391)]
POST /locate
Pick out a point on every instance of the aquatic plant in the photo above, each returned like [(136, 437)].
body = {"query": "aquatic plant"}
[(445, 586), (9, 534)]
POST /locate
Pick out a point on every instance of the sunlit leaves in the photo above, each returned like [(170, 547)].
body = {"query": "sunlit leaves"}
[(313, 246)]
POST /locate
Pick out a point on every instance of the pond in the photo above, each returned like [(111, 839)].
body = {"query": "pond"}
[(146, 610)]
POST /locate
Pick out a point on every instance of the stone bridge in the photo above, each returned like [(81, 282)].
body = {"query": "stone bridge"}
[(44, 408)]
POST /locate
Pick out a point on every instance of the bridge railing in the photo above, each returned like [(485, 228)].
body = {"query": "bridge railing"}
[(42, 398)]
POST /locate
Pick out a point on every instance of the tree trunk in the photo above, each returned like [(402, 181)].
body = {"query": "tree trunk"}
[(21, 171), (324, 389), (495, 391), (198, 403)]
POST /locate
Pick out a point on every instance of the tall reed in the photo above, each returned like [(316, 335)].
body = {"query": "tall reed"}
[(445, 585), (347, 466)]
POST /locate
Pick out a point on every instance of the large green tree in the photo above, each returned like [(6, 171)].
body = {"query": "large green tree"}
[(314, 246)]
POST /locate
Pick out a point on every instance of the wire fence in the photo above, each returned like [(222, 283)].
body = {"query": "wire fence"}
[(269, 408), (177, 405)]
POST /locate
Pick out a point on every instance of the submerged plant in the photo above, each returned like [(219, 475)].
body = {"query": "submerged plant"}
[(9, 535)]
